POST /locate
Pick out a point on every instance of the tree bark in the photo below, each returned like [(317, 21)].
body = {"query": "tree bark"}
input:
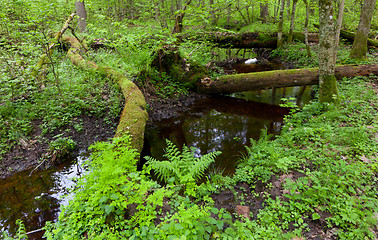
[(246, 40), (308, 49), (280, 24), (350, 37), (264, 12), (82, 14), (339, 23), (359, 47), (292, 19), (327, 80), (277, 78), (134, 115)]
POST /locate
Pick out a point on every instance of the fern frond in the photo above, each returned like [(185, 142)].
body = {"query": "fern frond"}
[(171, 152), (164, 169), (197, 170)]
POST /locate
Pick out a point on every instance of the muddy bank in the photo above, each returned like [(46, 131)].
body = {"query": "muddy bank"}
[(29, 153)]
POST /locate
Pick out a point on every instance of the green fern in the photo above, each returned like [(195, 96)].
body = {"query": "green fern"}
[(181, 167)]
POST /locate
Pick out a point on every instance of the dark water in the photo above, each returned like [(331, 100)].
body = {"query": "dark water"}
[(224, 123), (36, 198)]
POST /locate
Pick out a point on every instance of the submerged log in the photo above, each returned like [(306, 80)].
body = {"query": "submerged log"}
[(277, 78), (134, 115)]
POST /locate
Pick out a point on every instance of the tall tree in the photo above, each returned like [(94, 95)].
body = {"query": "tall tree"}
[(264, 11), (306, 28), (339, 23), (359, 47), (280, 24), (292, 18), (82, 14), (327, 81)]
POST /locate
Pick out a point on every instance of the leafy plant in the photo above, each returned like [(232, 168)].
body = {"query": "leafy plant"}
[(181, 167), (60, 147)]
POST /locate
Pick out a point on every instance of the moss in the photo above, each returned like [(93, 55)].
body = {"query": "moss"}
[(134, 115), (328, 89)]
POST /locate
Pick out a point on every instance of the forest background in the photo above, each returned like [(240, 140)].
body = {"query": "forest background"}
[(325, 159)]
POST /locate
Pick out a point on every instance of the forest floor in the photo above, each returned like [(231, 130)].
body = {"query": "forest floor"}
[(34, 152)]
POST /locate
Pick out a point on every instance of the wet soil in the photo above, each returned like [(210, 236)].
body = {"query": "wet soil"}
[(33, 153)]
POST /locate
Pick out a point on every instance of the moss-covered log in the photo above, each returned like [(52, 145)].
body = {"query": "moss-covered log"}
[(350, 37), (134, 116), (278, 78), (244, 40)]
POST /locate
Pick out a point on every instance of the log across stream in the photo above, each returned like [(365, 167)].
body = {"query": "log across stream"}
[(212, 123)]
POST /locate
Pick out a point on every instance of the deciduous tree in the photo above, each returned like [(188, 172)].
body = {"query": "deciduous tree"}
[(359, 47), (327, 80)]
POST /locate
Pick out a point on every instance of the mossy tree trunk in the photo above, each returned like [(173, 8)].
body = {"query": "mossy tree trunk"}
[(134, 115), (327, 81), (277, 78), (359, 47)]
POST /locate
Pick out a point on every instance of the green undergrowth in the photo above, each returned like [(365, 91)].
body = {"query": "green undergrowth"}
[(325, 160), (57, 102), (296, 55)]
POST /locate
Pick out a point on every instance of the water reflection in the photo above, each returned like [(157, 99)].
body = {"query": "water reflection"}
[(218, 123), (36, 198)]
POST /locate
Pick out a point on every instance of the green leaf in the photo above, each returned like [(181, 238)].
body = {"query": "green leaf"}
[(108, 209), (215, 210), (315, 216), (103, 199)]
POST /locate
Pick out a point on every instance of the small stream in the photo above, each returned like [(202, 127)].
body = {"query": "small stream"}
[(36, 198), (224, 123)]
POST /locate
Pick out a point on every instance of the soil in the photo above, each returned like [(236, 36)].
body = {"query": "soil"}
[(28, 155), (33, 153)]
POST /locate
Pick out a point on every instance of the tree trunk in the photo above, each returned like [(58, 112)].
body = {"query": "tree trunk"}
[(359, 47), (246, 40), (350, 37), (327, 80), (264, 12), (280, 24), (339, 23), (308, 49), (277, 78), (134, 115), (82, 14), (292, 19)]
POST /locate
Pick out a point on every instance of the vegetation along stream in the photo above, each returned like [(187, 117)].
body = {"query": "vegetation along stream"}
[(211, 123)]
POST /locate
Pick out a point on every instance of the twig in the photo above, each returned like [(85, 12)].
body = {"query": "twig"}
[(194, 50), (37, 167), (34, 231)]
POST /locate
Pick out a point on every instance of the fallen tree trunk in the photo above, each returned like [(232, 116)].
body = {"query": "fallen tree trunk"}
[(350, 37), (278, 78), (246, 40), (134, 115)]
